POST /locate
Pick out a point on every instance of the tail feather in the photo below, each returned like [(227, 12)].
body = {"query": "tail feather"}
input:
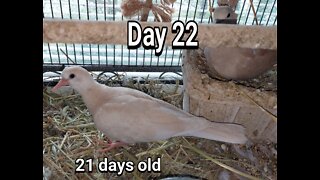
[(231, 133)]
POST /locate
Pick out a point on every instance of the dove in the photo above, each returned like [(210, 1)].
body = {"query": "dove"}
[(224, 15), (128, 116), (239, 63)]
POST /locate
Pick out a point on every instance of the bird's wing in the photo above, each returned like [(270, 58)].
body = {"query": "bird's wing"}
[(148, 119)]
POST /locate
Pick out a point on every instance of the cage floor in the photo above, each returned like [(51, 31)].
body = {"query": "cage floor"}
[(69, 134)]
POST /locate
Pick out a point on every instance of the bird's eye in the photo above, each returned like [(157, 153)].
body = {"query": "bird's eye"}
[(71, 76)]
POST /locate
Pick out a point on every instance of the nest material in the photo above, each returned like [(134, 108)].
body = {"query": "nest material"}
[(162, 12), (264, 82), (69, 134)]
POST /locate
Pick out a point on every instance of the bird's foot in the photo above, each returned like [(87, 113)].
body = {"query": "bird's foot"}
[(108, 144), (111, 146)]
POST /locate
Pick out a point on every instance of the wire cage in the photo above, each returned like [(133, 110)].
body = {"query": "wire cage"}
[(67, 124), (113, 57)]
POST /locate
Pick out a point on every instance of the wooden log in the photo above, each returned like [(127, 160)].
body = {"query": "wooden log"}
[(105, 32)]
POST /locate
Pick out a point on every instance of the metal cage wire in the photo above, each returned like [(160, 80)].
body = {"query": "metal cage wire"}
[(110, 57)]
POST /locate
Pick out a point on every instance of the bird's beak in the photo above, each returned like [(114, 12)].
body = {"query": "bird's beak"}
[(62, 82)]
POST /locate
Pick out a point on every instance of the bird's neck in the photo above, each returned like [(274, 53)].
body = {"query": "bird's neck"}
[(94, 96)]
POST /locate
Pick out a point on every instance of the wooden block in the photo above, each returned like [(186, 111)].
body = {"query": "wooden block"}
[(227, 102)]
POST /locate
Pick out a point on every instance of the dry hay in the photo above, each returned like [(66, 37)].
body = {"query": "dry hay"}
[(162, 12), (69, 134)]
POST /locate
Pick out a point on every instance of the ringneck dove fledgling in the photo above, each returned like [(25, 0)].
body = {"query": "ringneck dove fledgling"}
[(131, 116)]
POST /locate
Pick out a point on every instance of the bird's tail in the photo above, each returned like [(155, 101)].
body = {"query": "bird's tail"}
[(225, 132)]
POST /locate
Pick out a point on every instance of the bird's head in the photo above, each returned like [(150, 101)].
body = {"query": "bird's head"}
[(77, 77)]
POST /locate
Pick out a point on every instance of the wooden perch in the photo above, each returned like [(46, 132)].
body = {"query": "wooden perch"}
[(213, 35)]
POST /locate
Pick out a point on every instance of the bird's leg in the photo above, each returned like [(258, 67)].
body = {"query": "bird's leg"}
[(109, 144), (112, 145)]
